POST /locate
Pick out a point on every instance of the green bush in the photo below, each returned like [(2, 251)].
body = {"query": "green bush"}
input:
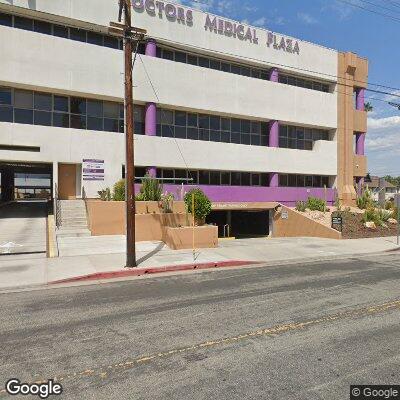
[(372, 215), (385, 215), (365, 200), (301, 206), (151, 189), (119, 190), (202, 205), (316, 204), (167, 202), (105, 194)]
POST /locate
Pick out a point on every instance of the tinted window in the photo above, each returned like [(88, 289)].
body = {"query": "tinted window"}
[(180, 57), (167, 54), (60, 31), (111, 42), (192, 59), (42, 118), (43, 101), (42, 27), (61, 103), (23, 99), (23, 116), (78, 121), (95, 108), (5, 96), (5, 20), (77, 34), (6, 114), (23, 23), (180, 118), (95, 38), (61, 120), (111, 110), (78, 105), (111, 125), (95, 124)]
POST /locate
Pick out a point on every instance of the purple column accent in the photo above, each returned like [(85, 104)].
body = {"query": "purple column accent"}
[(360, 99), (360, 144), (274, 134), (273, 180), (273, 142), (150, 119), (152, 171), (151, 48), (274, 75)]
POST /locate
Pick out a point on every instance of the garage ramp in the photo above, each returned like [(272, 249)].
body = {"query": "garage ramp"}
[(23, 228)]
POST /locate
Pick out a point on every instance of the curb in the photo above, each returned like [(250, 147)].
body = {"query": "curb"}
[(153, 271)]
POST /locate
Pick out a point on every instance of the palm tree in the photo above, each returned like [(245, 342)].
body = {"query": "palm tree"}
[(368, 107)]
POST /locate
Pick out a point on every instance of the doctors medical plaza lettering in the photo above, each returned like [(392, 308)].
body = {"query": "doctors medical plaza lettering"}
[(217, 25)]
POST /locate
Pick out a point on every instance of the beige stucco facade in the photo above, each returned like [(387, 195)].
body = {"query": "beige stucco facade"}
[(352, 75)]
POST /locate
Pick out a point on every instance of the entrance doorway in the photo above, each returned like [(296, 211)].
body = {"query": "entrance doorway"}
[(241, 223), (25, 181), (67, 181)]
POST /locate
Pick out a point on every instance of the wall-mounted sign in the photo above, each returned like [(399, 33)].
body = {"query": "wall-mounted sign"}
[(174, 13), (285, 215), (93, 170)]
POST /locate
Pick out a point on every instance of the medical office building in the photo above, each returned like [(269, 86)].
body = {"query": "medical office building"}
[(250, 115)]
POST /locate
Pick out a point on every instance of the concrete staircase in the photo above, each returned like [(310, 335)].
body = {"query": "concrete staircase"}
[(73, 219)]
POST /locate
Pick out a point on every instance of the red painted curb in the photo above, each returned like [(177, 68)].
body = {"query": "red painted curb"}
[(153, 270)]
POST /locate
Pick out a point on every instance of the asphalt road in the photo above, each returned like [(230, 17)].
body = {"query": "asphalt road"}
[(284, 332)]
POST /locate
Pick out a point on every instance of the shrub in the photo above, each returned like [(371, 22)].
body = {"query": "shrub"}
[(316, 204), (119, 190), (385, 215), (105, 194), (365, 200), (389, 205), (372, 215), (167, 202), (151, 189), (202, 205), (301, 206)]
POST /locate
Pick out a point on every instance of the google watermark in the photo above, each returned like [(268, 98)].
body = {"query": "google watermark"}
[(374, 392), (43, 390)]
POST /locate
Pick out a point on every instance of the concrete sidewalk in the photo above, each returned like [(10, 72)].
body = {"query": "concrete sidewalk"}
[(26, 270)]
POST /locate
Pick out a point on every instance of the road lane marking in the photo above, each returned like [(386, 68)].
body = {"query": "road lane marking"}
[(102, 372)]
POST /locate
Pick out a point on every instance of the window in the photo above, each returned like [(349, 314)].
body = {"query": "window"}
[(214, 178), (111, 42), (77, 105), (204, 177), (95, 38), (6, 113), (180, 57), (235, 178), (77, 34), (42, 27), (23, 99), (5, 20), (61, 103), (23, 23), (5, 96), (60, 31), (23, 116), (42, 118), (43, 101), (78, 121)]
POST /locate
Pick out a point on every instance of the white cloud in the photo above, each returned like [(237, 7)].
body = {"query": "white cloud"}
[(306, 18), (388, 122), (260, 21)]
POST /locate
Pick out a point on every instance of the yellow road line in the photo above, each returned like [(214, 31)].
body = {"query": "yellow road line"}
[(272, 331)]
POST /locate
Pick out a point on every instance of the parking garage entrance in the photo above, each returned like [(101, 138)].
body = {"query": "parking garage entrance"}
[(242, 220), (25, 181)]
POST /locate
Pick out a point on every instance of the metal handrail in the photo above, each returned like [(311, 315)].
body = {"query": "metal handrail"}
[(227, 228), (57, 208)]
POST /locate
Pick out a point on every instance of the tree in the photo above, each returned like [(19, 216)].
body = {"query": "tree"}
[(368, 106), (202, 205)]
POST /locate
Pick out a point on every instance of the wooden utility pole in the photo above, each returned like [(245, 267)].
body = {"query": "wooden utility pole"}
[(129, 36)]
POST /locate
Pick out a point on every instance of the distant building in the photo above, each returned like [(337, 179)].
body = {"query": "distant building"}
[(390, 189)]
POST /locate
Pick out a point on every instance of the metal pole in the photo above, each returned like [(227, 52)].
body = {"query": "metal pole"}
[(398, 216), (130, 162), (194, 252)]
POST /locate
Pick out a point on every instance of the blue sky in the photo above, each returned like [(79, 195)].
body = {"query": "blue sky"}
[(337, 25)]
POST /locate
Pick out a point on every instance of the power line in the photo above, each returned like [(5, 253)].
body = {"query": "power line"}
[(379, 6), (369, 10)]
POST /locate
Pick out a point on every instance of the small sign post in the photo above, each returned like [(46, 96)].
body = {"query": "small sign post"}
[(337, 222), (397, 203)]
